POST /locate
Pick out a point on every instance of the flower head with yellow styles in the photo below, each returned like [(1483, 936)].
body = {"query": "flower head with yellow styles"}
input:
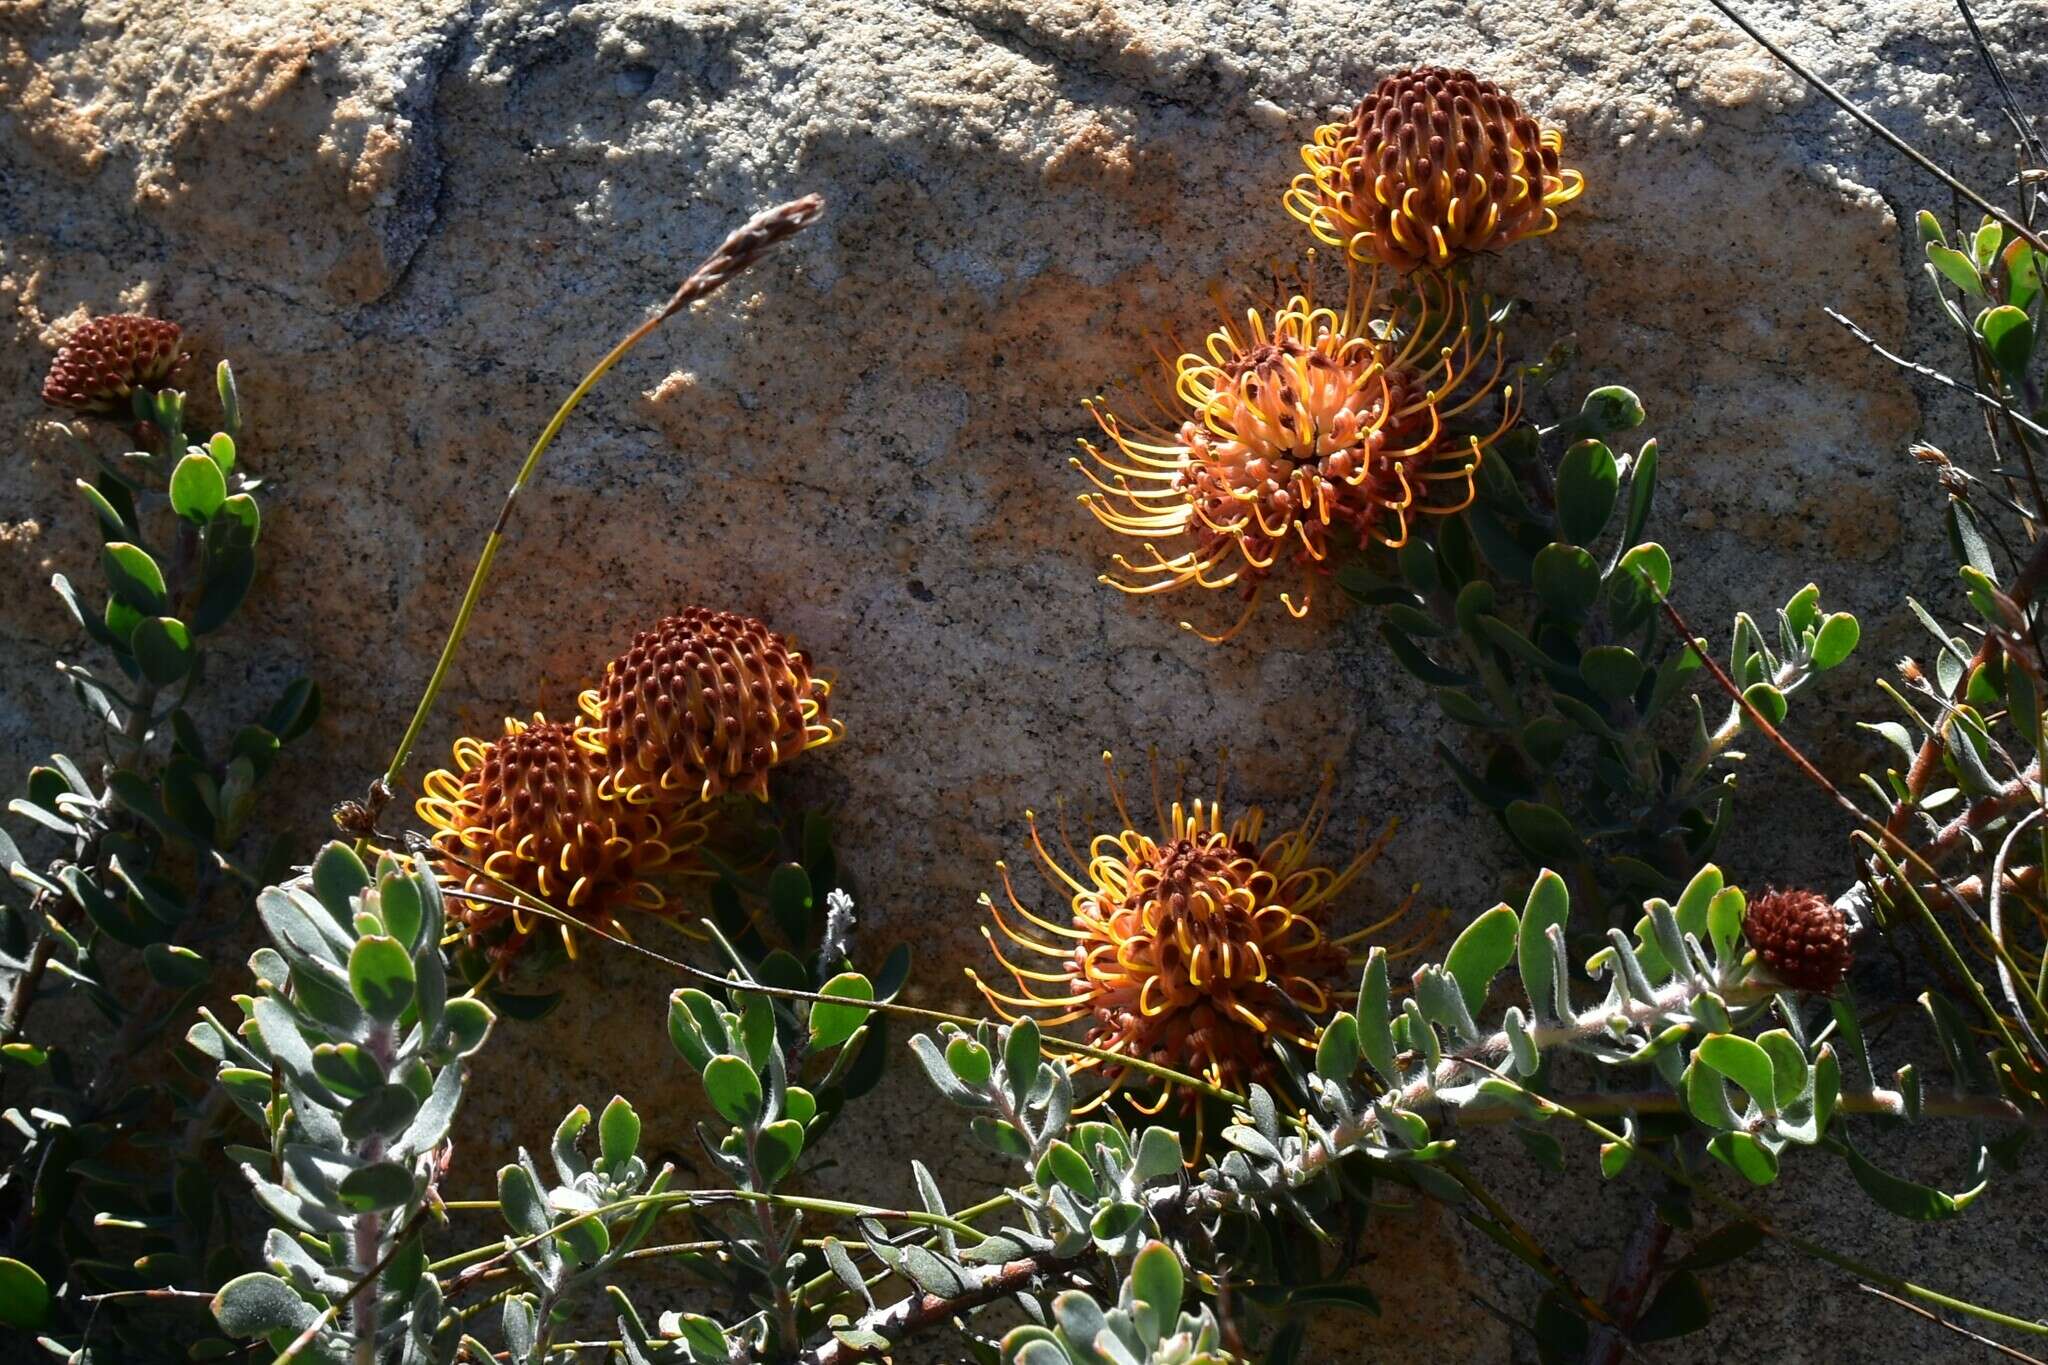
[(704, 703), (528, 813), (1432, 166), (1190, 949), (1297, 423)]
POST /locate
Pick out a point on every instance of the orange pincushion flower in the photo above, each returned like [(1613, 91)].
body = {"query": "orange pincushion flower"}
[(107, 359), (1190, 949), (1432, 166), (529, 811), (704, 703), (1297, 422)]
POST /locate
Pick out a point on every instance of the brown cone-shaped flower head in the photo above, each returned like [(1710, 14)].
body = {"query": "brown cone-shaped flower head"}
[(1801, 939), (1298, 429), (529, 811), (1190, 949), (1432, 166), (704, 703), (107, 359)]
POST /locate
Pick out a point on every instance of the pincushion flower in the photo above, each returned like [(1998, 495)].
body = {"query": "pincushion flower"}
[(1190, 949), (528, 813), (1296, 426), (1432, 166), (704, 703), (1801, 938), (107, 359)]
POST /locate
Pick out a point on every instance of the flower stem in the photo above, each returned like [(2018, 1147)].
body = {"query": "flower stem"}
[(739, 251)]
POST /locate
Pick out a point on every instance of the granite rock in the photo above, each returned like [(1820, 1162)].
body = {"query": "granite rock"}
[(413, 223)]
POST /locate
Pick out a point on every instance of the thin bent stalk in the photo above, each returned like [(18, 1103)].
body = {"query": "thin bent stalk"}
[(738, 251)]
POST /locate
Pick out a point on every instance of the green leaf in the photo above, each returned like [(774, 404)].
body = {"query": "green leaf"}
[(226, 585), (684, 1032), (1650, 563), (1642, 490), (1543, 830), (1375, 1033), (789, 901), (1724, 923), (1588, 483), (347, 1069), (1062, 1165), (1566, 579), (379, 1185), (389, 1109), (222, 447), (2023, 268), (1000, 1137), (163, 649), (1549, 903), (241, 509), (2009, 335), (734, 1089), (1480, 952), (1613, 671), (134, 576), (520, 1202), (1608, 410), (400, 902), (1159, 1154), (1742, 1062), (1756, 1162), (258, 1305), (1353, 1297), (1157, 1279), (380, 976), (197, 488), (1837, 638), (1115, 1226), (1411, 657), (1956, 267), (1768, 700), (779, 1146), (464, 1024), (970, 1062), (1696, 901), (294, 712), (24, 1298), (1679, 1308), (1789, 1072), (1723, 1245), (1020, 1057), (338, 878), (114, 523), (618, 1131), (1920, 1203), (833, 1024), (1337, 1051), (1984, 246)]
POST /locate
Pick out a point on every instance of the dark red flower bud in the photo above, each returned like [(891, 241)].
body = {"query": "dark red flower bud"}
[(1801, 939), (106, 360)]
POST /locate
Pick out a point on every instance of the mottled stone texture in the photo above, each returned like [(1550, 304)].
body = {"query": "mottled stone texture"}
[(414, 222)]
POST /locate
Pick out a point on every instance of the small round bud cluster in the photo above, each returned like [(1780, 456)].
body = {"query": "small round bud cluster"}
[(606, 817), (106, 360), (1801, 939), (704, 703), (1432, 166)]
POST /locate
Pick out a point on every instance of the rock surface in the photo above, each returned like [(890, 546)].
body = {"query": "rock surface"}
[(414, 224)]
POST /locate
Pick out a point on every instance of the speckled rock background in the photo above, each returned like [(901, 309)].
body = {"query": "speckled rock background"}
[(414, 222)]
